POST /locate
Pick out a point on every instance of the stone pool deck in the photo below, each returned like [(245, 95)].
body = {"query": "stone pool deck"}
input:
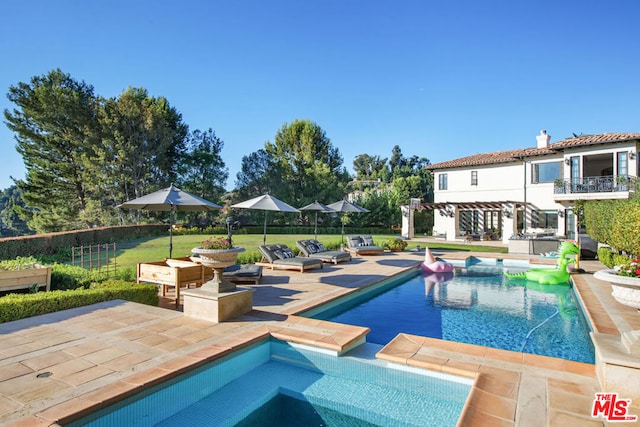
[(57, 367)]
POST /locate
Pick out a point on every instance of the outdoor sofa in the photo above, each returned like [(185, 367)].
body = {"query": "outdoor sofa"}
[(281, 257), (313, 249), (363, 245)]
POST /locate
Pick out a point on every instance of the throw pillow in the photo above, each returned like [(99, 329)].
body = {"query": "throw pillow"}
[(287, 253), (368, 240)]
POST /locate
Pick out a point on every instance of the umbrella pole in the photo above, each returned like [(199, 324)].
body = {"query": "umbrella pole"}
[(264, 238), (171, 232), (342, 235), (315, 229)]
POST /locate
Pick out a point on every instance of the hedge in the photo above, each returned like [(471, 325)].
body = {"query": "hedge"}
[(615, 223), (51, 243), (21, 306)]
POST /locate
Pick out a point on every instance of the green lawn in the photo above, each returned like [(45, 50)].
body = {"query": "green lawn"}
[(131, 252)]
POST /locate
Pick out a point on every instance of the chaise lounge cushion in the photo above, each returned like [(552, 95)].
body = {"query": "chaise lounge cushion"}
[(243, 273), (363, 245), (313, 249), (280, 256)]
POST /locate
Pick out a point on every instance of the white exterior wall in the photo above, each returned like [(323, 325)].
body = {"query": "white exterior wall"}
[(498, 182), (513, 182)]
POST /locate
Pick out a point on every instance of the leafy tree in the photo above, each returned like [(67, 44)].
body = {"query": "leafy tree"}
[(202, 171), (371, 167), (255, 171), (56, 132), (383, 206), (309, 167), (397, 159), (143, 143), (258, 175), (10, 222)]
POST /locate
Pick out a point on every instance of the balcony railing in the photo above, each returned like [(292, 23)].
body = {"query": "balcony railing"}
[(593, 184)]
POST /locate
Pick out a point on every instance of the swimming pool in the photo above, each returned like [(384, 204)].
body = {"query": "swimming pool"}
[(278, 383), (475, 305)]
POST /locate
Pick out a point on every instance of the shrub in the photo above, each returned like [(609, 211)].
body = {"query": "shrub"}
[(615, 223), (65, 277), (619, 259), (395, 244), (20, 306), (605, 255), (20, 263)]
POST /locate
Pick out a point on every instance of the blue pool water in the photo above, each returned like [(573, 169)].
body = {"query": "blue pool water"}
[(276, 383), (478, 305)]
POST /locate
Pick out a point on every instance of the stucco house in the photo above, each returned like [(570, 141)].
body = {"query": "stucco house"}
[(530, 191)]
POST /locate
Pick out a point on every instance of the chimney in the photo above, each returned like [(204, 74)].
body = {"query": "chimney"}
[(543, 139)]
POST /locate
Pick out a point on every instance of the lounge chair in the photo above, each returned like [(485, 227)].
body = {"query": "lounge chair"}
[(281, 257), (243, 273), (237, 273), (363, 245), (313, 249)]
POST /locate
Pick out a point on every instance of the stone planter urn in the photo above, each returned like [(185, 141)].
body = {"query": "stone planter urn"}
[(217, 260), (626, 290)]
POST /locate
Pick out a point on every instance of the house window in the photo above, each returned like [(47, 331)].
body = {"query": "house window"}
[(544, 219), (623, 164), (442, 181), (474, 177), (546, 172)]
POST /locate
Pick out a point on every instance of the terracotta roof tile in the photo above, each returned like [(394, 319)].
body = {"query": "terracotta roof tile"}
[(602, 138), (515, 155)]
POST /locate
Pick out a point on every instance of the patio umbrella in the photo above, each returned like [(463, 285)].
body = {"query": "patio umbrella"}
[(170, 199), (265, 203), (318, 207), (345, 206)]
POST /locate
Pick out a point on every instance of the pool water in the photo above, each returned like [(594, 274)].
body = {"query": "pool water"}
[(277, 383), (476, 305)]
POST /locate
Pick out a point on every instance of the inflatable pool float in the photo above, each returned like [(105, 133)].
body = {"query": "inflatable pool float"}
[(432, 265), (551, 276)]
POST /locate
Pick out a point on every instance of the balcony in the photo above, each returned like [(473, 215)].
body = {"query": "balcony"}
[(593, 187)]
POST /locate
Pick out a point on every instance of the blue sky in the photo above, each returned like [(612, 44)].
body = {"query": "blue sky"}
[(441, 79)]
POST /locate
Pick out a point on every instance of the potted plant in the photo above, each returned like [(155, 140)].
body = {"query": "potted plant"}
[(217, 253), (558, 186), (395, 244), (625, 282)]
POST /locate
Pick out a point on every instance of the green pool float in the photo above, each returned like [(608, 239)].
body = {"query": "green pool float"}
[(551, 276)]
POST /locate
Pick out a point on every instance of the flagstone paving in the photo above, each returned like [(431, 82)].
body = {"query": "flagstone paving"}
[(57, 367)]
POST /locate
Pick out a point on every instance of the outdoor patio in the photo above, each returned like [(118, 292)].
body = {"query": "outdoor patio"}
[(58, 366)]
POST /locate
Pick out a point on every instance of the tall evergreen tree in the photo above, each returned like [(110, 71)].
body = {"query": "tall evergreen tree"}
[(56, 131), (10, 205)]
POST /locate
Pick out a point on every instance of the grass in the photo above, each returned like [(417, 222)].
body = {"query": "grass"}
[(131, 252)]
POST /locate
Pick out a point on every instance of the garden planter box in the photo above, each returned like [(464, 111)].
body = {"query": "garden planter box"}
[(23, 279), (171, 273)]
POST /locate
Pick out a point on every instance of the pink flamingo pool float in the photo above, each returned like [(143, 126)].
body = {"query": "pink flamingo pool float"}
[(434, 266)]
